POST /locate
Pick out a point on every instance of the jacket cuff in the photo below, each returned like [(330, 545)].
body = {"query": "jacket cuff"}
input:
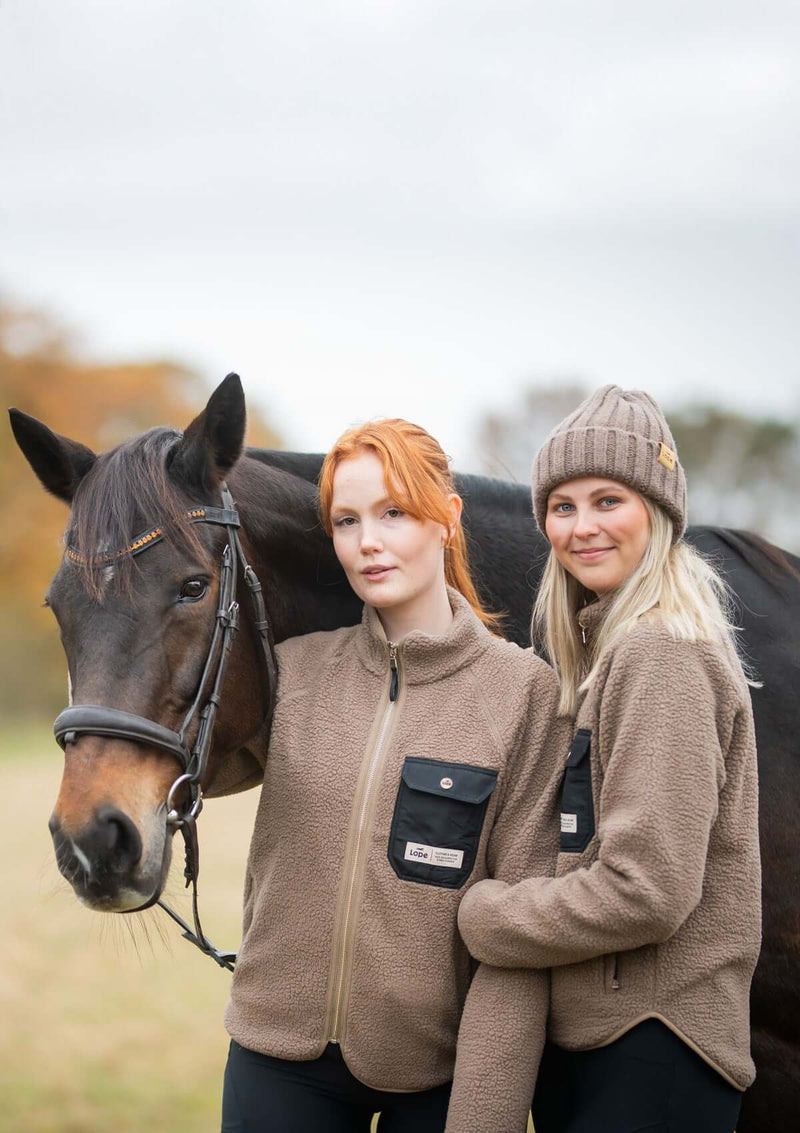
[(476, 916)]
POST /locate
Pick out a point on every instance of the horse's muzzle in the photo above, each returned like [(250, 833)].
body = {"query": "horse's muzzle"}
[(101, 862)]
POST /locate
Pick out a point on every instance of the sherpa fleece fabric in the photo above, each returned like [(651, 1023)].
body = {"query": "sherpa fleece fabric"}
[(654, 911), (339, 940)]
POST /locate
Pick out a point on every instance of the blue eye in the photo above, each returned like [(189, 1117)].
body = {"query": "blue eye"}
[(610, 500), (562, 509)]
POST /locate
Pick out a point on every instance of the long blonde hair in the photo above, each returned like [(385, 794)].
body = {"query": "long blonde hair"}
[(673, 582)]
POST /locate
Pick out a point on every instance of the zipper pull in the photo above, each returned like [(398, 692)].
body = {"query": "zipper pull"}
[(583, 635), (615, 973), (394, 682)]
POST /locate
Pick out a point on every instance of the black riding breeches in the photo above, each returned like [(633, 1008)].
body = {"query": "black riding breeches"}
[(274, 1095), (648, 1081)]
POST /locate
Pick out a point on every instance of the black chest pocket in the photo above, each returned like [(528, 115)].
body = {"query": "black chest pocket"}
[(438, 818), (577, 805)]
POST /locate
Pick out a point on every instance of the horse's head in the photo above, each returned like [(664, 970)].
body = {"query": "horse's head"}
[(136, 631)]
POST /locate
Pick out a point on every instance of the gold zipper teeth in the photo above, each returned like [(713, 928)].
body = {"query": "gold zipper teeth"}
[(342, 943), (354, 869)]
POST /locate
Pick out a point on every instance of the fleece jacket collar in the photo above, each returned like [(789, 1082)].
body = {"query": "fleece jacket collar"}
[(590, 617), (426, 658)]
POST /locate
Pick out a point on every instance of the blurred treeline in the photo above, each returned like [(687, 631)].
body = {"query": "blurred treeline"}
[(742, 471), (43, 373)]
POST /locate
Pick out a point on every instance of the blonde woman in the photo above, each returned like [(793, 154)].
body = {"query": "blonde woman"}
[(652, 923)]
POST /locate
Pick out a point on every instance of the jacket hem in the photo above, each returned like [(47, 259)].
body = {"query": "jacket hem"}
[(317, 1050), (392, 1089), (623, 1030)]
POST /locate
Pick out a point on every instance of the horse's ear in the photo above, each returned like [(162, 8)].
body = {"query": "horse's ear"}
[(59, 463), (214, 441)]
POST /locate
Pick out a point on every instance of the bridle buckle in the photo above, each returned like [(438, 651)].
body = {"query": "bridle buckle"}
[(176, 817)]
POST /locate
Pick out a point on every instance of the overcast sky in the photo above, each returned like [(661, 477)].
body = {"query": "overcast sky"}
[(413, 207)]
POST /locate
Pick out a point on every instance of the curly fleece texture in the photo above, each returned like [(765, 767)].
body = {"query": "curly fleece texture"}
[(659, 916), (469, 698)]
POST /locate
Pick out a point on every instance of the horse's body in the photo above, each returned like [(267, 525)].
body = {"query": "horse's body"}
[(109, 821)]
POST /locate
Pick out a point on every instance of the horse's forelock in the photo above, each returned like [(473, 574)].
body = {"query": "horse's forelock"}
[(127, 490)]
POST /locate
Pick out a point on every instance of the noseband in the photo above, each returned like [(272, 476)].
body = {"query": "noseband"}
[(96, 720)]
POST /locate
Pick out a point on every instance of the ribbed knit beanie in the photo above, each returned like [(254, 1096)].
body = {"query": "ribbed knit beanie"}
[(621, 434)]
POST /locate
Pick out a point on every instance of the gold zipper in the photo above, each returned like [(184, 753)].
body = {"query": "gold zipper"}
[(356, 851)]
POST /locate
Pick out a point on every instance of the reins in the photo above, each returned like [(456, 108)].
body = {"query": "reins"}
[(97, 720)]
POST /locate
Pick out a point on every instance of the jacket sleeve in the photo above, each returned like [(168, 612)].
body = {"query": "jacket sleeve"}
[(502, 1030), (500, 1044), (663, 770)]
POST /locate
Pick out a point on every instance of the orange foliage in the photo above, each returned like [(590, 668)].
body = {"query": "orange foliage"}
[(100, 405)]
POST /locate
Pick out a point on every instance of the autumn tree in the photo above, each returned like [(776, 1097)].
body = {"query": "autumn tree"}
[(43, 373)]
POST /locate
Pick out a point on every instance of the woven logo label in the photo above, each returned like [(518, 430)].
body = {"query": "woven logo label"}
[(666, 456), (433, 855), (569, 823)]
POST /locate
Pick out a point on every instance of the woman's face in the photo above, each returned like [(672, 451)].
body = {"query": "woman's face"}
[(598, 530), (392, 560)]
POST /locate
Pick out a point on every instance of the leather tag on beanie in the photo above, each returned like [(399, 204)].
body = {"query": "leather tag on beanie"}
[(666, 456)]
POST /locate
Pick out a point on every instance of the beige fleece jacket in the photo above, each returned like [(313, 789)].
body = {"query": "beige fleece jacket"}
[(655, 907), (375, 816)]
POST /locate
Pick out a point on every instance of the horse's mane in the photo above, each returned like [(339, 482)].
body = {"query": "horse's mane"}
[(127, 489)]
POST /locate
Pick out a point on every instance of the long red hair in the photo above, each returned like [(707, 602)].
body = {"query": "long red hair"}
[(417, 474)]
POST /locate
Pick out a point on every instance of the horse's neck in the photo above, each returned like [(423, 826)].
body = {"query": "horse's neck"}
[(305, 587), (305, 465), (507, 553)]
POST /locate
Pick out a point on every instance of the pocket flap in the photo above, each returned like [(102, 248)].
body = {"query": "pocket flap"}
[(579, 747), (450, 780)]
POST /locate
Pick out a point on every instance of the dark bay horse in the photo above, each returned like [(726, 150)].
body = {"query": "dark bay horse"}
[(135, 633)]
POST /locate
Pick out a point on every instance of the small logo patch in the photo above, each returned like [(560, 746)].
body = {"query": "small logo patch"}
[(433, 855), (569, 823), (666, 456)]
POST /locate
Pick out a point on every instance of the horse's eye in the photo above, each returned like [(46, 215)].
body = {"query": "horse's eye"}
[(194, 588)]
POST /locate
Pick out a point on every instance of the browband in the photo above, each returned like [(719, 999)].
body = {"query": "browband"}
[(226, 517)]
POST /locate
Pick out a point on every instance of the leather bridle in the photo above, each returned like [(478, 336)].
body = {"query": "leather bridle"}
[(97, 720)]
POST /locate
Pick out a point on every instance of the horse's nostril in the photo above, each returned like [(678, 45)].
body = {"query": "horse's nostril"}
[(117, 839)]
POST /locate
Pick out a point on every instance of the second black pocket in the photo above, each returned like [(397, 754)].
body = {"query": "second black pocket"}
[(577, 804)]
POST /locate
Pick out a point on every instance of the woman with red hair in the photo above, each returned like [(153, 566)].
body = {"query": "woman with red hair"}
[(405, 752)]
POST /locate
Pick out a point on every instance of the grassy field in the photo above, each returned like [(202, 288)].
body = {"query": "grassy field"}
[(109, 1022)]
